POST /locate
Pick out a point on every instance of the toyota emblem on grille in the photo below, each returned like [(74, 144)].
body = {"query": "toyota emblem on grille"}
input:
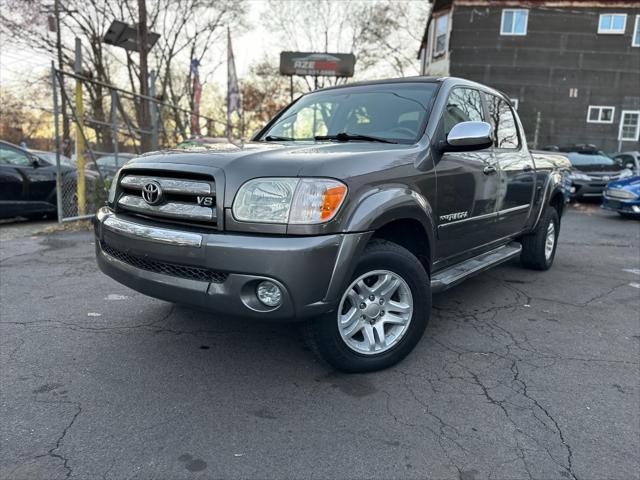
[(152, 193)]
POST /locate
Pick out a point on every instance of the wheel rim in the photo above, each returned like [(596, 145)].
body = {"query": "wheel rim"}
[(375, 312), (550, 241)]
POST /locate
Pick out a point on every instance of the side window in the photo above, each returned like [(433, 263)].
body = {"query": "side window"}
[(505, 131), (13, 156), (463, 105)]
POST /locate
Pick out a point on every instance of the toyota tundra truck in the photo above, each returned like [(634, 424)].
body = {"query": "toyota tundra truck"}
[(347, 211)]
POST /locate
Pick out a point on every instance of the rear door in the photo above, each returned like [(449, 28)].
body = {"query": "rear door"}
[(517, 173), (467, 183), (13, 185)]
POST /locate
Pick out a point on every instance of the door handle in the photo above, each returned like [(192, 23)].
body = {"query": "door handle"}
[(489, 169)]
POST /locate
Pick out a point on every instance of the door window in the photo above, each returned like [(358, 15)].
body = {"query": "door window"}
[(463, 105), (505, 130), (13, 156)]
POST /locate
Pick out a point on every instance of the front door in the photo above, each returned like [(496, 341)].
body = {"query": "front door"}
[(467, 184), (517, 175)]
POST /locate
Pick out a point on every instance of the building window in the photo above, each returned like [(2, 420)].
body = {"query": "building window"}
[(514, 22), (599, 114), (629, 125), (635, 41), (612, 23), (440, 35)]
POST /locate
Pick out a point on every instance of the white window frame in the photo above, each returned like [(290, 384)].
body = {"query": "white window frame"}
[(601, 107), (513, 23), (636, 31), (611, 31), (637, 134), (439, 53)]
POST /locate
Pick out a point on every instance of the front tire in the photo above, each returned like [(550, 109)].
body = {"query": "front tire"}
[(539, 247), (382, 313)]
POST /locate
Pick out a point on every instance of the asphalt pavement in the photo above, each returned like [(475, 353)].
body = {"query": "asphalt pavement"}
[(520, 374)]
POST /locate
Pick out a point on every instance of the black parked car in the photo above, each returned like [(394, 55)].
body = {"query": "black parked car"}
[(28, 184), (592, 170)]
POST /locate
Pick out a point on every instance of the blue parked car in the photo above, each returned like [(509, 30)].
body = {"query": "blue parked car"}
[(623, 196)]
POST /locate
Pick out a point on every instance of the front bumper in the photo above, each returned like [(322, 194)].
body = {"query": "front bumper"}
[(311, 271), (621, 205), (586, 189)]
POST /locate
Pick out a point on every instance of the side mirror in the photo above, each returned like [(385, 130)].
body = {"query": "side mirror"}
[(34, 162), (467, 136), (630, 166)]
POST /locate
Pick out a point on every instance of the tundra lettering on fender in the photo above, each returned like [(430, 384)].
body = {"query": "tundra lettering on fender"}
[(345, 212)]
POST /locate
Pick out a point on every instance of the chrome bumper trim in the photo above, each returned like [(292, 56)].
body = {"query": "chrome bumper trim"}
[(169, 185), (153, 234), (178, 210)]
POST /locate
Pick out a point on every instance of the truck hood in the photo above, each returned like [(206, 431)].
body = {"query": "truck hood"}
[(284, 159), (341, 160)]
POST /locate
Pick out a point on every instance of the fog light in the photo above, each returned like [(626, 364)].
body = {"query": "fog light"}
[(269, 294)]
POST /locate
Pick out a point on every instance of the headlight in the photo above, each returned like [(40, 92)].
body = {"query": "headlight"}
[(579, 176), (289, 200), (625, 173), (620, 193)]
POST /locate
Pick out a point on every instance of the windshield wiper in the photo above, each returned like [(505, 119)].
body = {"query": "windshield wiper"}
[(276, 138), (345, 137)]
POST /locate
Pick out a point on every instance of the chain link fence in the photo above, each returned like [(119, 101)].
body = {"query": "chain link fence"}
[(84, 177)]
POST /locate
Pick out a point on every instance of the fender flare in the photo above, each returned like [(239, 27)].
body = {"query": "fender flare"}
[(552, 187), (372, 212)]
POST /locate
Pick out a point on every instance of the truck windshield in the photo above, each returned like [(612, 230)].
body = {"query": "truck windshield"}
[(393, 113)]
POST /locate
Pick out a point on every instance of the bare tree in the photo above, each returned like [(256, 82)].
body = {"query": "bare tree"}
[(187, 28), (382, 34)]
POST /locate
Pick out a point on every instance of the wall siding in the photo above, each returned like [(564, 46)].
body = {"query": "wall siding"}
[(561, 50)]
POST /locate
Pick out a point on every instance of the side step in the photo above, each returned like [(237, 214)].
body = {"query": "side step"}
[(445, 279)]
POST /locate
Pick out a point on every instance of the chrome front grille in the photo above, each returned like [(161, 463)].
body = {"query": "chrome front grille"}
[(157, 266), (190, 201)]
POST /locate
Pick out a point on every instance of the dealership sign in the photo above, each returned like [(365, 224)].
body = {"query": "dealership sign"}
[(317, 64)]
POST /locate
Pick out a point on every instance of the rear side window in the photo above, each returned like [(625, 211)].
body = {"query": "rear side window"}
[(505, 131), (13, 156), (463, 105)]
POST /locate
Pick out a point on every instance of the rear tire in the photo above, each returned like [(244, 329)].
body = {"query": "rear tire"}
[(539, 247), (386, 305)]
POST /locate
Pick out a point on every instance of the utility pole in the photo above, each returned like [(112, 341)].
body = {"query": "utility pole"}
[(66, 143), (143, 40), (80, 131)]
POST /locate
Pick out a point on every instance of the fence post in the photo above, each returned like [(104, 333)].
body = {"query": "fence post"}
[(114, 124), (54, 89), (154, 110), (80, 131)]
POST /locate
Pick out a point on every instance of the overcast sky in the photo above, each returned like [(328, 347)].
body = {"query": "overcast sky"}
[(249, 47)]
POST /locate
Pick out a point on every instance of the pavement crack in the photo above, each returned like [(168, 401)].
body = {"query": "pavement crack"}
[(52, 452)]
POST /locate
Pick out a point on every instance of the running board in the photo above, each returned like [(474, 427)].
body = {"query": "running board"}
[(445, 279)]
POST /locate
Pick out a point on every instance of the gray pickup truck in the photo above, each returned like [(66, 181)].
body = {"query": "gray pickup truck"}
[(346, 211)]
